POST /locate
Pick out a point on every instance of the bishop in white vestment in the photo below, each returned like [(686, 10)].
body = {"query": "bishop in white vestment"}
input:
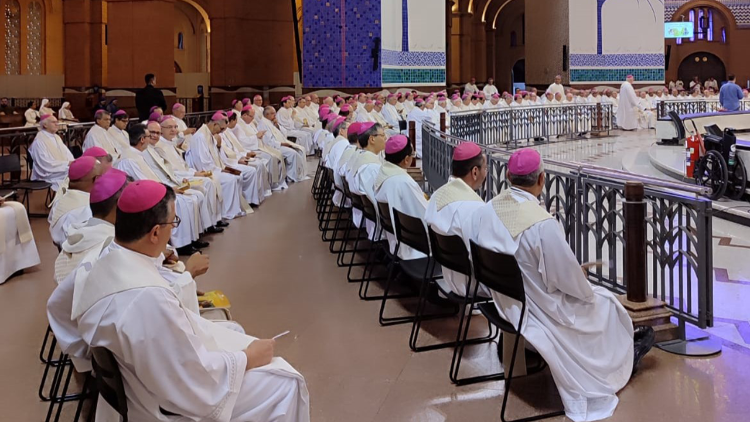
[(396, 187), (99, 136), (17, 247), (71, 205), (224, 375), (364, 170), (251, 139), (286, 119), (118, 130), (627, 109), (582, 331), (450, 208), (50, 155), (275, 137)]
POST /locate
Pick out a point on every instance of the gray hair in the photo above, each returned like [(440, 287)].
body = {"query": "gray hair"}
[(526, 180)]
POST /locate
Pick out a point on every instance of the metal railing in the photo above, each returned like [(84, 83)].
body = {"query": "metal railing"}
[(507, 126), (587, 201), (692, 107)]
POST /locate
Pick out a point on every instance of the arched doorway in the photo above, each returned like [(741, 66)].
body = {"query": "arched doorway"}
[(703, 65), (518, 74), (192, 51)]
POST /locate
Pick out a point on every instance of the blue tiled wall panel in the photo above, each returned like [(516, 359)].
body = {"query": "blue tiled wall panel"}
[(330, 62), (616, 75), (435, 76)]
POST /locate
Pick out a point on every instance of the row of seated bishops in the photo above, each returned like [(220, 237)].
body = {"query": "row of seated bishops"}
[(582, 331)]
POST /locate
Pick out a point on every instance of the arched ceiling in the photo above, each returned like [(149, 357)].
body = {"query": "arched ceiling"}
[(485, 11), (202, 11)]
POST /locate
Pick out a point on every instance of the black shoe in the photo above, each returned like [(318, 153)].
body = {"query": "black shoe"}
[(214, 230), (222, 224), (643, 340), (199, 245), (186, 250)]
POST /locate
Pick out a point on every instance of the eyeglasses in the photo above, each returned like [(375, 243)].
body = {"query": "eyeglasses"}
[(379, 134), (175, 223), (155, 133)]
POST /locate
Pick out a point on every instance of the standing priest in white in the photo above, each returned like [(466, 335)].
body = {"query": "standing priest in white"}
[(50, 155), (396, 187), (582, 331), (450, 208), (169, 359), (627, 110)]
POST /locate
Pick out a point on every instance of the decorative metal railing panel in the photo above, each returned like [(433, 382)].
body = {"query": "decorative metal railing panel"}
[(507, 126), (588, 207), (682, 107)]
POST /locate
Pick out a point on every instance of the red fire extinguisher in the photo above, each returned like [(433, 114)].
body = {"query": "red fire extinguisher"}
[(693, 151)]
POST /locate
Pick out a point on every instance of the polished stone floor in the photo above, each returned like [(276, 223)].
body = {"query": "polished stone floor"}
[(280, 276)]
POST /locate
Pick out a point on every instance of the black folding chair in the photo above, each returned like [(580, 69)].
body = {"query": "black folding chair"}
[(11, 163), (450, 252), (500, 273), (57, 398), (109, 380), (357, 234), (377, 245), (336, 213), (414, 269)]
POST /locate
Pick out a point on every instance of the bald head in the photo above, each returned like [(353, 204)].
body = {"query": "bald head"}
[(154, 129), (50, 124), (269, 113)]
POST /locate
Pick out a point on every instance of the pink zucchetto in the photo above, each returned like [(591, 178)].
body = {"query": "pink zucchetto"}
[(378, 103), (497, 96), (247, 108), (365, 126), (119, 113), (107, 185), (345, 107), (95, 152), (235, 101), (166, 117), (339, 120), (524, 161), (419, 101), (175, 106), (141, 196), (80, 167), (44, 117), (257, 96), (99, 114), (219, 116), (466, 151), (467, 95), (245, 101), (517, 96), (355, 128), (629, 77), (153, 108), (395, 144), (391, 96), (154, 117), (369, 102), (323, 114)]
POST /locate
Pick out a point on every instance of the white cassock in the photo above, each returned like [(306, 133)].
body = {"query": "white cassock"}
[(333, 152), (137, 316), (121, 137), (556, 88), (78, 254), (184, 140), (97, 136), (582, 331), (163, 170), (133, 163), (339, 174), (449, 212), (470, 87), (364, 116), (627, 110), (408, 106), (292, 128), (17, 247), (361, 177), (254, 178), (646, 117), (247, 134), (306, 119), (392, 116), (71, 206), (32, 117), (418, 116), (294, 156), (489, 90), (51, 159), (401, 192), (203, 156), (209, 186)]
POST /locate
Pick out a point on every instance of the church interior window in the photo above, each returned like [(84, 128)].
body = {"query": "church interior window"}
[(180, 41), (34, 47), (12, 15)]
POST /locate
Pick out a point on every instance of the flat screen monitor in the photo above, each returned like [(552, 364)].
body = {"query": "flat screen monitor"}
[(679, 29)]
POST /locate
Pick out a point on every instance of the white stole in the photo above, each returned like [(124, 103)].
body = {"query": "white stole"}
[(22, 223)]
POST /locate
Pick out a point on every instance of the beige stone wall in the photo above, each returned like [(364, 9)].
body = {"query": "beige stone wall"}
[(547, 31)]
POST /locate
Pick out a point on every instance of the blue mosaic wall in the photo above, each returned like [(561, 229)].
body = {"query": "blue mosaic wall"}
[(414, 76), (337, 43), (608, 75)]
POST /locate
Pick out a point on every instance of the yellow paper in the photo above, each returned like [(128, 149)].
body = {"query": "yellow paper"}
[(217, 297)]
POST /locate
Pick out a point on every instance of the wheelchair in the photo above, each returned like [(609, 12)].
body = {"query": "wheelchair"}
[(720, 167)]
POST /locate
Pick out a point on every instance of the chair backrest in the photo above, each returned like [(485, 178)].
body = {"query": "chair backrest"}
[(109, 380), (450, 252), (411, 232), (499, 272), (385, 217), (10, 164), (356, 201), (368, 210), (76, 151)]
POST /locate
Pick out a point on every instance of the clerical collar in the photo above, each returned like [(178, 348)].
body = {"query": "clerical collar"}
[(524, 193), (157, 261)]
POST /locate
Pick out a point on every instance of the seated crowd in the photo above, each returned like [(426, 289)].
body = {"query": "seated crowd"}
[(591, 359)]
